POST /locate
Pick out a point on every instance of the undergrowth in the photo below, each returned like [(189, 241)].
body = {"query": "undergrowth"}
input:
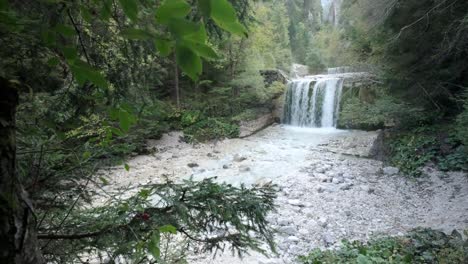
[(418, 247)]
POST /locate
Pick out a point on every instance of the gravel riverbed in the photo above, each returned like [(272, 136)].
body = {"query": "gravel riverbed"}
[(330, 189)]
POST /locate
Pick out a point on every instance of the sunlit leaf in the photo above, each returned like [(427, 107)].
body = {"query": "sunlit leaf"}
[(168, 229), (127, 167), (130, 8), (172, 9)]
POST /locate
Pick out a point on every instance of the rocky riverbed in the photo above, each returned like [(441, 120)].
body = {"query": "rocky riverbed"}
[(330, 188)]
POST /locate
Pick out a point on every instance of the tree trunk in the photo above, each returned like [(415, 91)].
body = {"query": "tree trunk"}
[(18, 237), (176, 82)]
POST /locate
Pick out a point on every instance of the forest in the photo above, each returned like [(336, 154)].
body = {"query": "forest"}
[(233, 131)]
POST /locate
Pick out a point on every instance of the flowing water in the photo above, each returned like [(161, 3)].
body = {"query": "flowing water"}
[(313, 101)]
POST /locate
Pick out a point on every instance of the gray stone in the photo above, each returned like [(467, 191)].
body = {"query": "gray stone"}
[(323, 222), (389, 171), (244, 169), (225, 166), (367, 189), (320, 170), (192, 165), (239, 158), (296, 202), (289, 230), (337, 180), (293, 239), (328, 239)]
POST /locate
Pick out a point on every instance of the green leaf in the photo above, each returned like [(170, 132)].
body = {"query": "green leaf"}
[(168, 229), (86, 155), (205, 7), (153, 245), (222, 10), (70, 53), (136, 34), (163, 46), (182, 27), (66, 31), (126, 120), (234, 27), (106, 10), (172, 9), (189, 61), (84, 72), (203, 50), (199, 35), (127, 167), (87, 16), (224, 15), (130, 8)]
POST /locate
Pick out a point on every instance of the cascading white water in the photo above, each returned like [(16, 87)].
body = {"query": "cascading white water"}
[(316, 106)]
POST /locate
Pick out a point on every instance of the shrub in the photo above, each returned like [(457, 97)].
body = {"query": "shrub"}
[(419, 246), (210, 128), (412, 149)]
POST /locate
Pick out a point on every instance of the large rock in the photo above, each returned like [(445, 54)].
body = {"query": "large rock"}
[(248, 128)]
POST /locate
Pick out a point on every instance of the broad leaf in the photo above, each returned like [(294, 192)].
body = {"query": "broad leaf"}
[(70, 53), (205, 7), (222, 10), (163, 46), (183, 27), (172, 9), (225, 17), (189, 61), (203, 50), (130, 8), (234, 27), (127, 167)]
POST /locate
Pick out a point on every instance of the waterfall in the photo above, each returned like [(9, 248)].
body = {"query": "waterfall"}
[(313, 102)]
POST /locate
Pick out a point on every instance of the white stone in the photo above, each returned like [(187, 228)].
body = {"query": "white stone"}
[(391, 171)]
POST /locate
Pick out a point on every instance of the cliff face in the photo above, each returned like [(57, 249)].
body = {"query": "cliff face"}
[(331, 11)]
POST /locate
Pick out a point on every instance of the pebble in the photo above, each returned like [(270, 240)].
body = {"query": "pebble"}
[(192, 165), (389, 171)]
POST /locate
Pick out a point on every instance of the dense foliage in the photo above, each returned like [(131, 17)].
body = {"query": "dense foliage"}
[(419, 246), (98, 78)]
